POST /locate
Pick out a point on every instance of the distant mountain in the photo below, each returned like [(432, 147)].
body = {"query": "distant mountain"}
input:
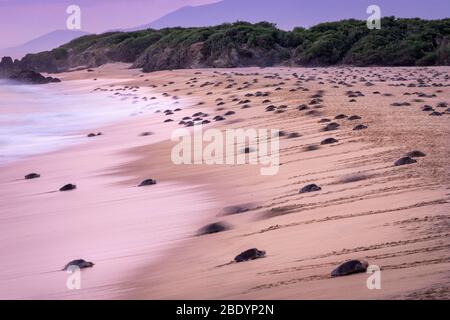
[(43, 43), (292, 13)]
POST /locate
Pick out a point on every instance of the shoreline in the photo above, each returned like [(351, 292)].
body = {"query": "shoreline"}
[(107, 219), (77, 96), (393, 217)]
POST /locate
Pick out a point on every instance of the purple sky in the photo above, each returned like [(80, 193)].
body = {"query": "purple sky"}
[(23, 20)]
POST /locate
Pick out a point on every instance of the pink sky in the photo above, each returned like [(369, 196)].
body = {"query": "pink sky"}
[(23, 20)]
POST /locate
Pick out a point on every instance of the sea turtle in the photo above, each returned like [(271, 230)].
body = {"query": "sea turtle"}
[(331, 126), (328, 141), (280, 133), (360, 127), (310, 188), (32, 176), (350, 267), (293, 135), (213, 228), (427, 108), (90, 135), (147, 182), (80, 263), (354, 117), (403, 161), (250, 254), (237, 209), (68, 187), (311, 147)]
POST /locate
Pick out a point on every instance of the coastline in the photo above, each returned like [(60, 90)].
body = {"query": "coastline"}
[(107, 219), (393, 217)]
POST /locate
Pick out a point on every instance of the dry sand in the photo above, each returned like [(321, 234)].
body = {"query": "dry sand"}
[(394, 217)]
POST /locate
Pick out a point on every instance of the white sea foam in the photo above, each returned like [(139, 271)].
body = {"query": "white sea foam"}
[(36, 119)]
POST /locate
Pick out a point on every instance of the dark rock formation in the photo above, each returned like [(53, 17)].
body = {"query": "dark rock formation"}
[(15, 71), (8, 67), (32, 77)]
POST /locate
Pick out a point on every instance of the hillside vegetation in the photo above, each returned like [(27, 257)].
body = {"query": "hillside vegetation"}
[(400, 42)]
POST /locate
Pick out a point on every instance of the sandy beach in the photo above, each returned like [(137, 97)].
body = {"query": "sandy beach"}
[(143, 239)]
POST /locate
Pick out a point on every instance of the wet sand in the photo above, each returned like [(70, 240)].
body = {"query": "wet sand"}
[(107, 219)]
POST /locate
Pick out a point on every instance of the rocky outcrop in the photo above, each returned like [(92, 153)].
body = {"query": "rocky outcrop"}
[(32, 77), (8, 67), (14, 70)]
